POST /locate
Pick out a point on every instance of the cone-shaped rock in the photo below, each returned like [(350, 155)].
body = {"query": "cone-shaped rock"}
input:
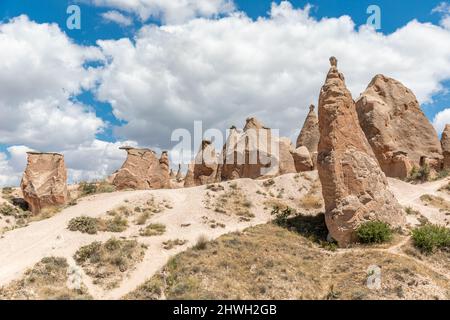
[(309, 135), (142, 170), (445, 143), (44, 182), (179, 175), (398, 131), (354, 187), (204, 170)]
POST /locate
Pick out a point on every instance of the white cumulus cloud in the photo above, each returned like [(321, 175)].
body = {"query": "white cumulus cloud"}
[(221, 71), (117, 17), (170, 11)]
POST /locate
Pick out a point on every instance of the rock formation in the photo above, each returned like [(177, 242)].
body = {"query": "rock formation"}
[(302, 159), (204, 168), (44, 182), (309, 135), (399, 133), (445, 143), (164, 162), (354, 187), (179, 175), (255, 152), (142, 170)]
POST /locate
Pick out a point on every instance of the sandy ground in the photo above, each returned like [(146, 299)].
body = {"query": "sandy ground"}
[(408, 195), (22, 248)]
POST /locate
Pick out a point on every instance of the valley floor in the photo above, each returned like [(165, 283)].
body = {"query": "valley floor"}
[(246, 256)]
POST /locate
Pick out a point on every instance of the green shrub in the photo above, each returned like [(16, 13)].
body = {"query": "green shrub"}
[(374, 232), (420, 174), (282, 216), (87, 188), (7, 210), (83, 224), (430, 237)]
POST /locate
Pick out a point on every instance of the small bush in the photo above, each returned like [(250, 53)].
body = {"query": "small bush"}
[(374, 232), (83, 224), (420, 174), (87, 188), (7, 210), (116, 224), (282, 216), (430, 237)]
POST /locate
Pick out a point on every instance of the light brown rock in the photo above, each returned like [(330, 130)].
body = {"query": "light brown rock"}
[(302, 159), (395, 126), (204, 169), (255, 152), (142, 170), (354, 187), (44, 182), (309, 135), (445, 144)]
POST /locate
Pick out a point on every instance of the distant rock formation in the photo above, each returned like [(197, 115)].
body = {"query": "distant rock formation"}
[(142, 170), (399, 133), (179, 175), (44, 182), (255, 152), (309, 135), (204, 168), (445, 143), (354, 187)]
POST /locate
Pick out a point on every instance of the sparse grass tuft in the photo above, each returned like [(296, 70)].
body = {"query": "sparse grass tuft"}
[(153, 229)]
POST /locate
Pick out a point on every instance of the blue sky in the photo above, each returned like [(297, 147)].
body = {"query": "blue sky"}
[(118, 110)]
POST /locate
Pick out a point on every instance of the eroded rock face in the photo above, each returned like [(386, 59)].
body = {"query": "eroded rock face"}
[(445, 143), (204, 169), (142, 170), (44, 182), (396, 128), (354, 187), (255, 152), (302, 159)]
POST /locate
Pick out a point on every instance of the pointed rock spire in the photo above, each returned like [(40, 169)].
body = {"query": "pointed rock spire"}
[(309, 135), (445, 143), (354, 188)]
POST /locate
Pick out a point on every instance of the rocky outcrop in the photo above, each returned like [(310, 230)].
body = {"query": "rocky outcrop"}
[(142, 170), (445, 144), (204, 168), (44, 182), (302, 159), (255, 152), (396, 128), (354, 187)]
